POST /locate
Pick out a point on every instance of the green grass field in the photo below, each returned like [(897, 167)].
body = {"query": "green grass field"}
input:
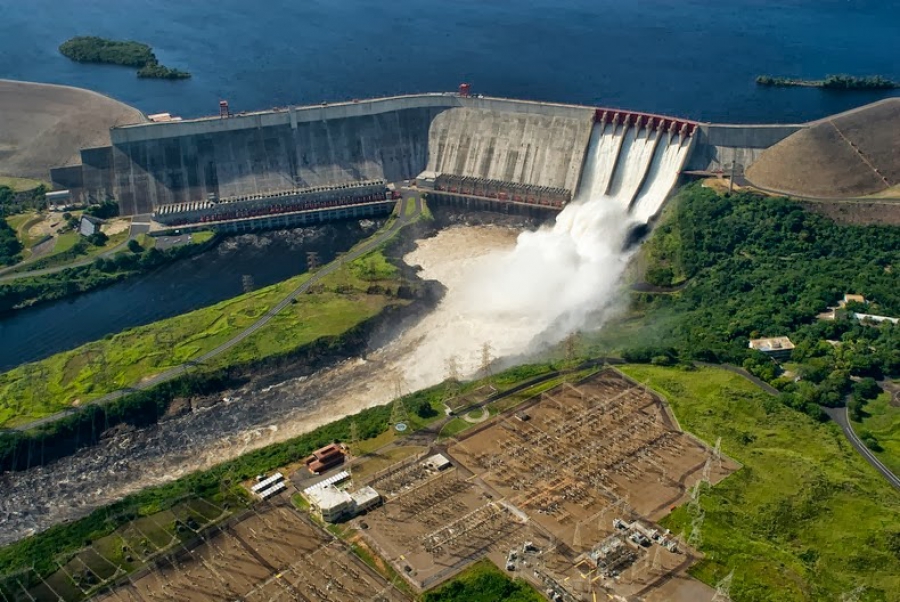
[(21, 184), (483, 582), (90, 371), (883, 421), (805, 518)]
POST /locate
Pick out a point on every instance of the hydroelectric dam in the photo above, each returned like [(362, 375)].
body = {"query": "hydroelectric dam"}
[(302, 165)]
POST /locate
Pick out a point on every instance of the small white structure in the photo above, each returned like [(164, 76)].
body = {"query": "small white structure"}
[(59, 200), (774, 347), (365, 499), (851, 299), (876, 319), (426, 180), (436, 462), (89, 225), (269, 486)]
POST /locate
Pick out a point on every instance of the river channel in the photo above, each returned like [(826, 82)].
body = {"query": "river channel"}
[(220, 273)]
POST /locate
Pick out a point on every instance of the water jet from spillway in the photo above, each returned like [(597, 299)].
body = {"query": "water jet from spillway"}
[(564, 277)]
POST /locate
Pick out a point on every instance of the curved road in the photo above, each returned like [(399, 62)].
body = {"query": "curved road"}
[(841, 416), (332, 267), (136, 228)]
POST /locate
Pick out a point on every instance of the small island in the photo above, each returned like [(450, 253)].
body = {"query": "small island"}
[(832, 82), (92, 49)]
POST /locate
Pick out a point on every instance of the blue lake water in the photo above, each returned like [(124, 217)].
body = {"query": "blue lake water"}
[(688, 58)]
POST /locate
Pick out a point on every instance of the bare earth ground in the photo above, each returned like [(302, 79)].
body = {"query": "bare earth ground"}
[(883, 213), (44, 126), (274, 554), (605, 448), (850, 155)]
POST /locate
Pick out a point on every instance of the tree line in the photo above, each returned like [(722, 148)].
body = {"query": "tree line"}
[(759, 267), (26, 292)]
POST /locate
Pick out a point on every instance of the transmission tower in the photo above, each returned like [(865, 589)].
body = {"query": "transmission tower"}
[(487, 359), (96, 361), (853, 595), (723, 589), (717, 452), (398, 409), (312, 261), (453, 377), (577, 538), (353, 442), (571, 345), (695, 510)]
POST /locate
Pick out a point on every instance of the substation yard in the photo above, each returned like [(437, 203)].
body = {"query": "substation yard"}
[(556, 472), (273, 554)]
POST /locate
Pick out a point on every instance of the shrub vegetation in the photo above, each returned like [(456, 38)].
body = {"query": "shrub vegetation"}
[(92, 49)]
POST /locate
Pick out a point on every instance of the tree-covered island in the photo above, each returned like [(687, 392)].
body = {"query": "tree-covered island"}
[(831, 82), (92, 49)]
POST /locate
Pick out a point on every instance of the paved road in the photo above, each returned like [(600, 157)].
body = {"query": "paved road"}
[(137, 227), (841, 416), (171, 373)]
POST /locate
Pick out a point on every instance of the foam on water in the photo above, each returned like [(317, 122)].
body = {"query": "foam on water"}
[(559, 278)]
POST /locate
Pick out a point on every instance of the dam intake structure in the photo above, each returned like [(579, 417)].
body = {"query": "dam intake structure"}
[(509, 152)]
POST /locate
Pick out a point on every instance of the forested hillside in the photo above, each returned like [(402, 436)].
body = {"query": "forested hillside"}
[(754, 267)]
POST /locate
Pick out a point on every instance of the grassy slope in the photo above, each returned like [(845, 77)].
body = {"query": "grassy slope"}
[(21, 184), (883, 421), (140, 352), (805, 519)]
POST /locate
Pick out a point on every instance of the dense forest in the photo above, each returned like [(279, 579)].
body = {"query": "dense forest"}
[(10, 247), (756, 267), (92, 49)]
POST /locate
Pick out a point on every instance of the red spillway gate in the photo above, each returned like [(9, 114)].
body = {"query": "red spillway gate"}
[(645, 120)]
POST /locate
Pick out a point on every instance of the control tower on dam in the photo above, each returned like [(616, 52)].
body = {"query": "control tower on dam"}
[(506, 150)]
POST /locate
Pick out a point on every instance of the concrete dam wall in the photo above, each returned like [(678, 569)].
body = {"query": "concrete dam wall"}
[(156, 164), (534, 149), (510, 144), (149, 173)]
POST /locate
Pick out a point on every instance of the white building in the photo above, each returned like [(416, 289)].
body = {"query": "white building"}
[(333, 504), (778, 348), (330, 503), (89, 225), (436, 462)]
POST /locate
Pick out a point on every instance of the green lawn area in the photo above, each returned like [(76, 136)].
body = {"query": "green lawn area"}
[(21, 223), (92, 370), (805, 518), (202, 236), (883, 421), (483, 582), (21, 184)]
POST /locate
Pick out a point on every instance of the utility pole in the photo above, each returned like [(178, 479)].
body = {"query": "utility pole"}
[(312, 261), (486, 359)]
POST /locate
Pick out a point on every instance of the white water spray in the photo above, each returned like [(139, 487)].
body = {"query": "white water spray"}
[(560, 278)]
